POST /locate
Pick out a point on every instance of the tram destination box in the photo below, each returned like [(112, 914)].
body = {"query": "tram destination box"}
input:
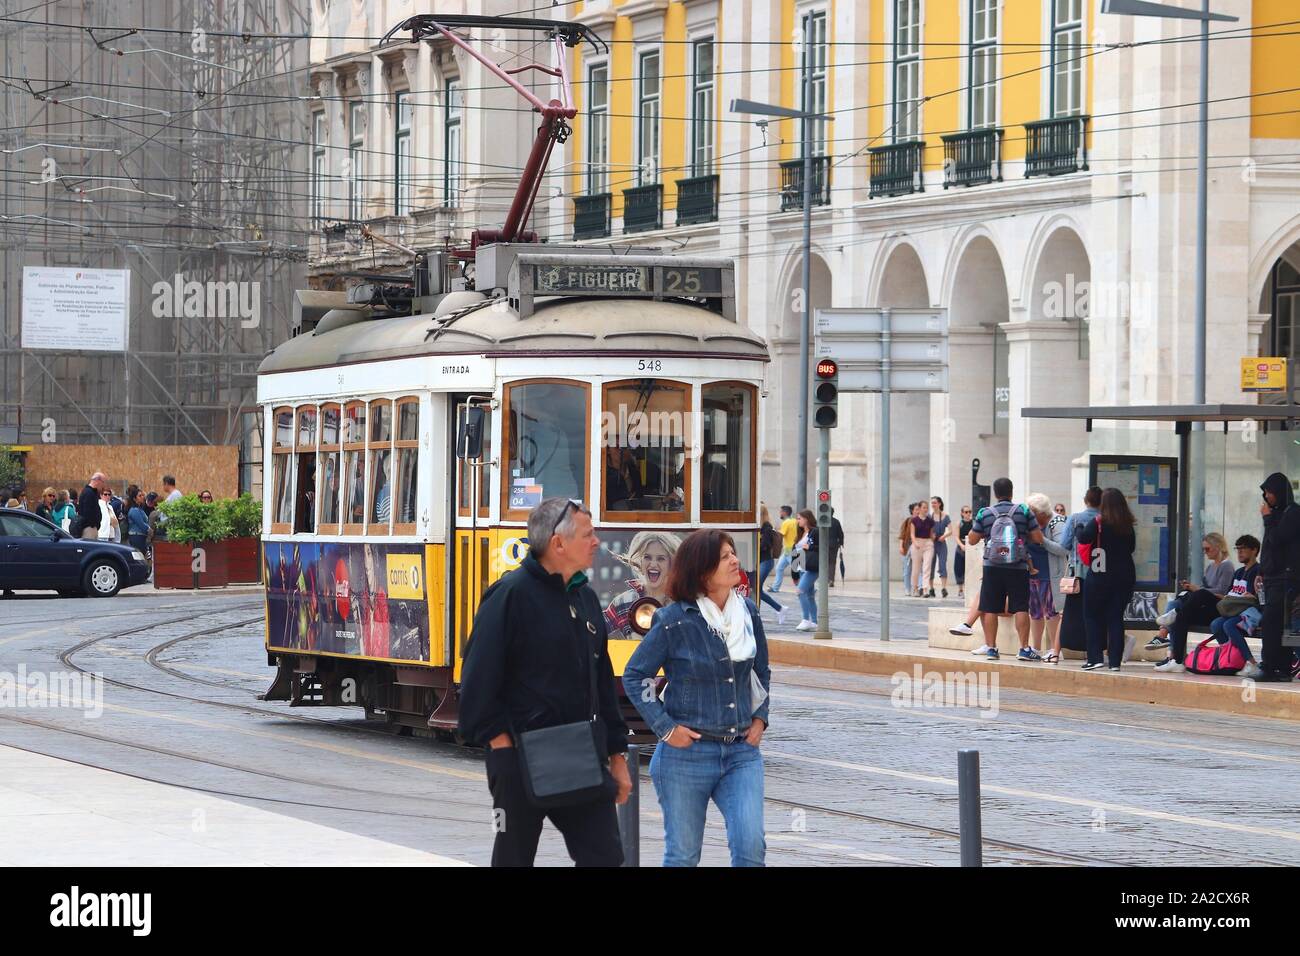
[(710, 281)]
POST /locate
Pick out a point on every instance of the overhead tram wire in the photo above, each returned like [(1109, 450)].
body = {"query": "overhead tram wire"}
[(248, 36)]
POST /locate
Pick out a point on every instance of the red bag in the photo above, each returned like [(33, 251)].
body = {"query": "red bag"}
[(1085, 550), (1215, 659)]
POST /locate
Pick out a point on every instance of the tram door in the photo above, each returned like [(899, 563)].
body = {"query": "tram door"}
[(471, 541)]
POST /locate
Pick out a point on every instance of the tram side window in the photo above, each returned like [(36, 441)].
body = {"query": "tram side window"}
[(305, 510), (328, 462), (381, 466), (726, 479), (408, 451), (281, 476), (354, 467), (546, 442), (643, 437)]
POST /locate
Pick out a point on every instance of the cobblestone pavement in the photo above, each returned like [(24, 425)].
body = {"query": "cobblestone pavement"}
[(853, 776)]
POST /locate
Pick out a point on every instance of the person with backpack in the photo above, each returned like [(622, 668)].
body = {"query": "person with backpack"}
[(905, 547), (1007, 527), (1279, 573), (1108, 588), (808, 548), (770, 548)]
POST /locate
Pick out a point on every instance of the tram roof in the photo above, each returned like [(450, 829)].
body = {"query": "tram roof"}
[(558, 326)]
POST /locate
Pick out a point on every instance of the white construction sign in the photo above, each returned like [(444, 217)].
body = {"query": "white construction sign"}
[(75, 309)]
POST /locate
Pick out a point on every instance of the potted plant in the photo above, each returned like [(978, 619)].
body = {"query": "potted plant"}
[(194, 553), (243, 547)]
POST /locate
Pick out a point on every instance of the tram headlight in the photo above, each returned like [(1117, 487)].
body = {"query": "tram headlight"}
[(642, 615)]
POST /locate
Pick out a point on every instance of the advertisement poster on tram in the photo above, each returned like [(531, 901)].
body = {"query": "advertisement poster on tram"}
[(367, 600), (631, 565)]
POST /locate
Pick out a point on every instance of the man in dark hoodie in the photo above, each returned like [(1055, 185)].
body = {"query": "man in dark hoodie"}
[(1279, 571)]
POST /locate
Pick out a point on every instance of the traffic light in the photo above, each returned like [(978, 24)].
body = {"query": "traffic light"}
[(823, 508), (826, 396)]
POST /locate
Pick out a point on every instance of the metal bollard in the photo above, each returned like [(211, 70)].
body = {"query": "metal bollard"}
[(629, 814), (968, 801)]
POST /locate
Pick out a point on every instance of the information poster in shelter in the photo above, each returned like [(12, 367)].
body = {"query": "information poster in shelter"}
[(1150, 486)]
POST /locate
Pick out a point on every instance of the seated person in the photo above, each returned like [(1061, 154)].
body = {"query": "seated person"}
[(622, 479), (1200, 605)]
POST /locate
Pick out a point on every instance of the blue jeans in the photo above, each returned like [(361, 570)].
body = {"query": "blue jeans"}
[(781, 565), (1225, 631), (907, 572), (807, 602), (685, 779), (764, 569)]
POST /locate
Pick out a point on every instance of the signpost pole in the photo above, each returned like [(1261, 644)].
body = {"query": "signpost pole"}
[(885, 543), (823, 631)]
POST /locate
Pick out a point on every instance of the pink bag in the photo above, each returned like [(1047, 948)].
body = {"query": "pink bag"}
[(1211, 657)]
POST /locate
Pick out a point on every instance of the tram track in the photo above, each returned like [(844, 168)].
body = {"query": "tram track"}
[(151, 657), (1009, 846)]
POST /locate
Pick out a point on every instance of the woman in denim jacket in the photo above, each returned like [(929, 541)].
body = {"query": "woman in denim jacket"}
[(710, 723)]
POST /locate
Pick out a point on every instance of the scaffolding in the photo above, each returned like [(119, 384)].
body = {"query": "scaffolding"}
[(169, 138)]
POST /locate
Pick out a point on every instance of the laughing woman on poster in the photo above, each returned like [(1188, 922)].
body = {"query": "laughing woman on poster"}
[(650, 555)]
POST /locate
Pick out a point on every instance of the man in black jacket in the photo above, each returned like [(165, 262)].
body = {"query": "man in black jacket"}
[(88, 513), (1279, 570), (537, 632), (836, 542)]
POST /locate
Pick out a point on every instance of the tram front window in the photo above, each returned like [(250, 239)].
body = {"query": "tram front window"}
[(643, 436), (726, 482), (547, 441)]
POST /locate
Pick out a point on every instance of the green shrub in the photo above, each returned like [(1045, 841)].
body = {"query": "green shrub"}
[(243, 514), (190, 521)]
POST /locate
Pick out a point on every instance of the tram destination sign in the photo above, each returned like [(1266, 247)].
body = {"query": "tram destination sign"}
[(633, 276), (568, 280)]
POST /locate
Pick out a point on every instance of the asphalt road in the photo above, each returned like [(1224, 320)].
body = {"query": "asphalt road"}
[(853, 776)]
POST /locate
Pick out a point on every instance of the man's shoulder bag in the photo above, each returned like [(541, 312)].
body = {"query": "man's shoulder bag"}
[(562, 765)]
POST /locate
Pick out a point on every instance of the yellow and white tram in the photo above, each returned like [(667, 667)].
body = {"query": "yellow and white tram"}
[(404, 453)]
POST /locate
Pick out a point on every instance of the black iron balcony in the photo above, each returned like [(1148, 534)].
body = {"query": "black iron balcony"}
[(792, 182), (591, 216), (971, 159), (896, 169), (697, 200), (643, 208), (1056, 146)]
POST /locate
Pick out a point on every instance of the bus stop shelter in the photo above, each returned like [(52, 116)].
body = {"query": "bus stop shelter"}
[(1210, 463)]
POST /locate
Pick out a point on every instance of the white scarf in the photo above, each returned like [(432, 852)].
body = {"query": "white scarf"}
[(733, 623)]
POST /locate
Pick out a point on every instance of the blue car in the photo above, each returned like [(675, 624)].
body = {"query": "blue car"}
[(37, 556)]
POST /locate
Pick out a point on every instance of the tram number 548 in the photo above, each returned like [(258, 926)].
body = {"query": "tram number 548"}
[(649, 365)]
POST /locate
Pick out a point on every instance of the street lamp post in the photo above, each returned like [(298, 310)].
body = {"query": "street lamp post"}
[(1144, 8), (806, 119)]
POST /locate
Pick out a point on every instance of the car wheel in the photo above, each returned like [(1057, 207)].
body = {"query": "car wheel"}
[(102, 579)]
